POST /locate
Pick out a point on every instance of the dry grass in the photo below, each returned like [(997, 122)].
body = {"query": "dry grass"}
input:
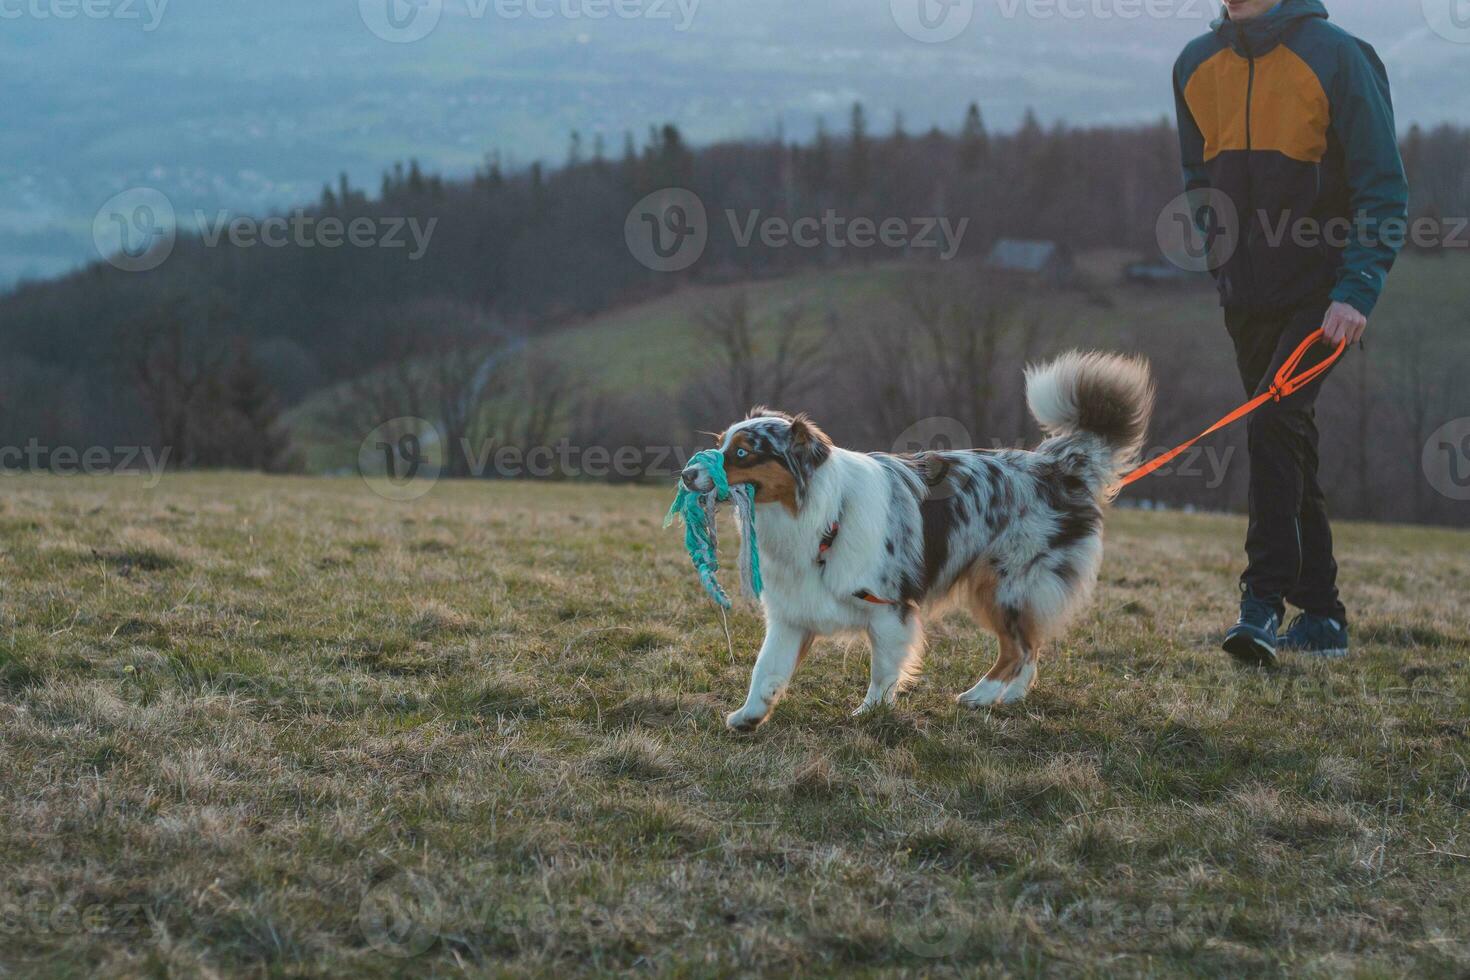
[(282, 727)]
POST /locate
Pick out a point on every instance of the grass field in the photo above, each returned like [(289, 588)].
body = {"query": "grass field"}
[(285, 727)]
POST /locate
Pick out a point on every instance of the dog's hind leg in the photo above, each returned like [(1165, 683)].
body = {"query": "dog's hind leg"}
[(898, 646), (1014, 672), (782, 650)]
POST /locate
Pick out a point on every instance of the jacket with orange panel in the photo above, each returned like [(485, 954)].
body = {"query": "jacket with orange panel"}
[(1290, 118)]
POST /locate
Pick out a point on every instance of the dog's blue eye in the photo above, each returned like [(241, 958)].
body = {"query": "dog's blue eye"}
[(741, 454)]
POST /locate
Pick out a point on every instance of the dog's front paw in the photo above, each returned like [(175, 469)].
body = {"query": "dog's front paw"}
[(992, 692), (744, 720), (878, 695)]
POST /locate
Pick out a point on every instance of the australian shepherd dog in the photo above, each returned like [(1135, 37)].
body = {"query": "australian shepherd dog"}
[(876, 543)]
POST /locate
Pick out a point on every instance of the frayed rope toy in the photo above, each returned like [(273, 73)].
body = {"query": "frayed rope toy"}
[(697, 510)]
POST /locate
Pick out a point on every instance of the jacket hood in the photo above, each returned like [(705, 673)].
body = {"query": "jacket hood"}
[(1258, 36)]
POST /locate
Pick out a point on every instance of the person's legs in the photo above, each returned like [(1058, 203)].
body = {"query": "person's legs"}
[(1316, 587), (1252, 640), (1289, 541)]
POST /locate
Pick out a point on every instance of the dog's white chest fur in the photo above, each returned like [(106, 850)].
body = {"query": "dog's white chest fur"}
[(848, 491)]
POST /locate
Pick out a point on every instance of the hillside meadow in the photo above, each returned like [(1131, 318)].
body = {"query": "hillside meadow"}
[(649, 375), (282, 727)]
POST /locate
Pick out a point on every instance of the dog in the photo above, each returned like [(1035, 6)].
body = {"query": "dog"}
[(877, 542)]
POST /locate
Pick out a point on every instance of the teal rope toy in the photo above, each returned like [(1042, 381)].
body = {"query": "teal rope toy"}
[(697, 510)]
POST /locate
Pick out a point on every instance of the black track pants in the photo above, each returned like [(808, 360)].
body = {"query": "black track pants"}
[(1289, 544)]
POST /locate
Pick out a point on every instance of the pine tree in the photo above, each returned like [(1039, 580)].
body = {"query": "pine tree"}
[(492, 179), (253, 434), (675, 160), (1031, 135), (859, 162), (974, 141), (628, 168), (1413, 154), (819, 160), (538, 189)]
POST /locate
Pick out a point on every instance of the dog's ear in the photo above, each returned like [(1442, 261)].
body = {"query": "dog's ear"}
[(807, 447)]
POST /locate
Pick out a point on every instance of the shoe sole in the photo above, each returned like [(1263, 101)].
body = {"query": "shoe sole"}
[(1322, 654), (1249, 651)]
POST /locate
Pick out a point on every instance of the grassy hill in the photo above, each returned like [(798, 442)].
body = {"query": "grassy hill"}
[(656, 348), (285, 727), (652, 345)]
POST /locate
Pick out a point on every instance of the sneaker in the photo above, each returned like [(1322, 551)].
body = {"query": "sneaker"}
[(1315, 636), (1252, 641)]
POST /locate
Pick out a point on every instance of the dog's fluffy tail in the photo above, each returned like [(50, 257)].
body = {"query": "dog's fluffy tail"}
[(1105, 395)]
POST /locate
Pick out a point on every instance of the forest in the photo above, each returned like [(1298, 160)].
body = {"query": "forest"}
[(215, 352)]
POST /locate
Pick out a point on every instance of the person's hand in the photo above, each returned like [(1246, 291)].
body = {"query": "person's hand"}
[(1344, 322)]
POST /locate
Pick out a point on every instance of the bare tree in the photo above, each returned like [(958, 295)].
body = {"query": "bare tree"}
[(440, 363), (8, 387), (962, 326), (396, 388), (889, 372), (528, 409), (1417, 400), (173, 365), (767, 363)]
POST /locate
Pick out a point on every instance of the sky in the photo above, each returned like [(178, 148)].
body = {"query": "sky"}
[(251, 105)]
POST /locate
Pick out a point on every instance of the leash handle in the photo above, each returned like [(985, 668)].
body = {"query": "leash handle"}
[(1287, 382)]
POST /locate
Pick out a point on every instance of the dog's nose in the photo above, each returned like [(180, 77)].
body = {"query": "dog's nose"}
[(691, 477)]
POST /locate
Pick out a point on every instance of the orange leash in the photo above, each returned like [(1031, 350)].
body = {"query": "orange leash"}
[(1287, 382)]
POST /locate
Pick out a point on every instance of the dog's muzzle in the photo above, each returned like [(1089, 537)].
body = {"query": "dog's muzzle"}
[(697, 480)]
